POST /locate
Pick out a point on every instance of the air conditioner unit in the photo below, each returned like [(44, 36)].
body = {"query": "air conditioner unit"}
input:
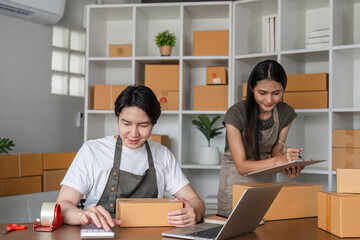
[(38, 11)]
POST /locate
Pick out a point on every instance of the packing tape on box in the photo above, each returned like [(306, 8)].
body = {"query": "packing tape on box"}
[(47, 213)]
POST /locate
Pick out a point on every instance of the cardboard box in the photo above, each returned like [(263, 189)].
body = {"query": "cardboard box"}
[(145, 212), (216, 75), (244, 90), (60, 160), (9, 166), (211, 43), (349, 138), (162, 139), (160, 77), (339, 213), (105, 95), (169, 100), (120, 50), (20, 165), (52, 179), (347, 180), (307, 82), (345, 158), (211, 97), (304, 100), (295, 200), (22, 185)]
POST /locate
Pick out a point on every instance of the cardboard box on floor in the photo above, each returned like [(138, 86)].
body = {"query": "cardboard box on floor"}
[(169, 100), (145, 212), (105, 95), (162, 139), (160, 77), (345, 158), (211, 43), (52, 179), (349, 138), (216, 75), (338, 213), (306, 100), (20, 165), (295, 200), (21, 185), (120, 50), (347, 180), (307, 82), (60, 160), (213, 97)]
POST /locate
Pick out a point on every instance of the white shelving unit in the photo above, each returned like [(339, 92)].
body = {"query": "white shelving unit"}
[(137, 24)]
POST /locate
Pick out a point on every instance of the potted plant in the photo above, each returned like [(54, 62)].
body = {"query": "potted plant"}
[(5, 145), (165, 41), (209, 154)]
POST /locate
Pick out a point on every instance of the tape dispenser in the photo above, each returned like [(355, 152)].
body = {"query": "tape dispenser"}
[(50, 217)]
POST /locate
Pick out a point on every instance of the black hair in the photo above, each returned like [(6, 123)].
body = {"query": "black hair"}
[(139, 96), (268, 69)]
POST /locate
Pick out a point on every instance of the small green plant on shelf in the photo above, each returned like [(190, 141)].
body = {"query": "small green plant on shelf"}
[(205, 125), (6, 144), (165, 41)]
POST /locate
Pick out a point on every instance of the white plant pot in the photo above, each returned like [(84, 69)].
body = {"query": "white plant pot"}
[(209, 156)]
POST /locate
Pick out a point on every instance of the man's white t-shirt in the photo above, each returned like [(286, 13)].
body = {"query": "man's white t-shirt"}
[(91, 167)]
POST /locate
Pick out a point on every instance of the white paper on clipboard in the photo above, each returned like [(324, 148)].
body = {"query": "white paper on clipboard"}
[(281, 167)]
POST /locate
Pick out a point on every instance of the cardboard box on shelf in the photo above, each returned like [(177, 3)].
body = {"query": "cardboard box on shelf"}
[(345, 158), (105, 95), (244, 91), (20, 165), (295, 200), (162, 77), (216, 75), (211, 97), (305, 100), (120, 50), (162, 139), (349, 138), (145, 212), (338, 213), (211, 43), (20, 185), (307, 82), (59, 160), (52, 179), (9, 166), (115, 92), (347, 180), (169, 100)]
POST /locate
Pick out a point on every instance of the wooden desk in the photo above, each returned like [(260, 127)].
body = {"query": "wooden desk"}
[(297, 229)]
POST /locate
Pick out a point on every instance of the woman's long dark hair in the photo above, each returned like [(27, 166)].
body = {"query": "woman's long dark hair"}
[(268, 69)]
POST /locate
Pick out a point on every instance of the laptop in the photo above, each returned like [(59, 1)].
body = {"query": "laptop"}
[(244, 218)]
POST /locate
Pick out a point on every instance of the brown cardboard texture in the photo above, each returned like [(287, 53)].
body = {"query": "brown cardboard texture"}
[(52, 179), (120, 50), (161, 77), (169, 100), (102, 97), (115, 92), (349, 138), (295, 200), (244, 90), (216, 76), (307, 82), (347, 180), (345, 158), (339, 213), (22, 185), (211, 97), (211, 43), (60, 160), (305, 100), (31, 164), (145, 212), (162, 139), (9, 166)]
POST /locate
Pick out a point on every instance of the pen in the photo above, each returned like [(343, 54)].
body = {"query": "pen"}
[(286, 146)]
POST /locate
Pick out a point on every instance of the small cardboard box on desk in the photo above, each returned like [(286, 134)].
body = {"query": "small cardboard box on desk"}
[(145, 212), (295, 200)]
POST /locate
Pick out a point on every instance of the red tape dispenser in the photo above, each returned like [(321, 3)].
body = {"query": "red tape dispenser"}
[(50, 217)]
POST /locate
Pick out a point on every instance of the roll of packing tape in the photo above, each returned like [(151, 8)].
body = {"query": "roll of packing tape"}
[(47, 213)]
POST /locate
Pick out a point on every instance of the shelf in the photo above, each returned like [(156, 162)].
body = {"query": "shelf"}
[(201, 167), (191, 112)]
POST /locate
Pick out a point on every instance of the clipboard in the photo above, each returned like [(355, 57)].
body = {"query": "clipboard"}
[(281, 167)]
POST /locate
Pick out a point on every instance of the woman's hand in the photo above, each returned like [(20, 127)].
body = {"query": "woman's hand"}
[(98, 216), (293, 171), (183, 217), (290, 154)]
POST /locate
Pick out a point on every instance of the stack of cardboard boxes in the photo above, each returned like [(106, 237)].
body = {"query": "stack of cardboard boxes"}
[(339, 211), (346, 148), (28, 172)]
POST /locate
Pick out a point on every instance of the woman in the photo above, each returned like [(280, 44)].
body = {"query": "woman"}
[(129, 164), (253, 128)]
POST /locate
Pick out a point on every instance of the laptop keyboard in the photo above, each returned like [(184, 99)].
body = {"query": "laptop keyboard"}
[(207, 233)]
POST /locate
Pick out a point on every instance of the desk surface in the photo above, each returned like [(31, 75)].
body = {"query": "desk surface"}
[(297, 229)]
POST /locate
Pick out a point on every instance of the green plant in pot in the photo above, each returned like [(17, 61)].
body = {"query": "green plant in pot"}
[(6, 144), (165, 41), (209, 155)]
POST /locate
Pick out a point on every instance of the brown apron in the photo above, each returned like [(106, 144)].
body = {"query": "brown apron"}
[(229, 174), (122, 184)]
